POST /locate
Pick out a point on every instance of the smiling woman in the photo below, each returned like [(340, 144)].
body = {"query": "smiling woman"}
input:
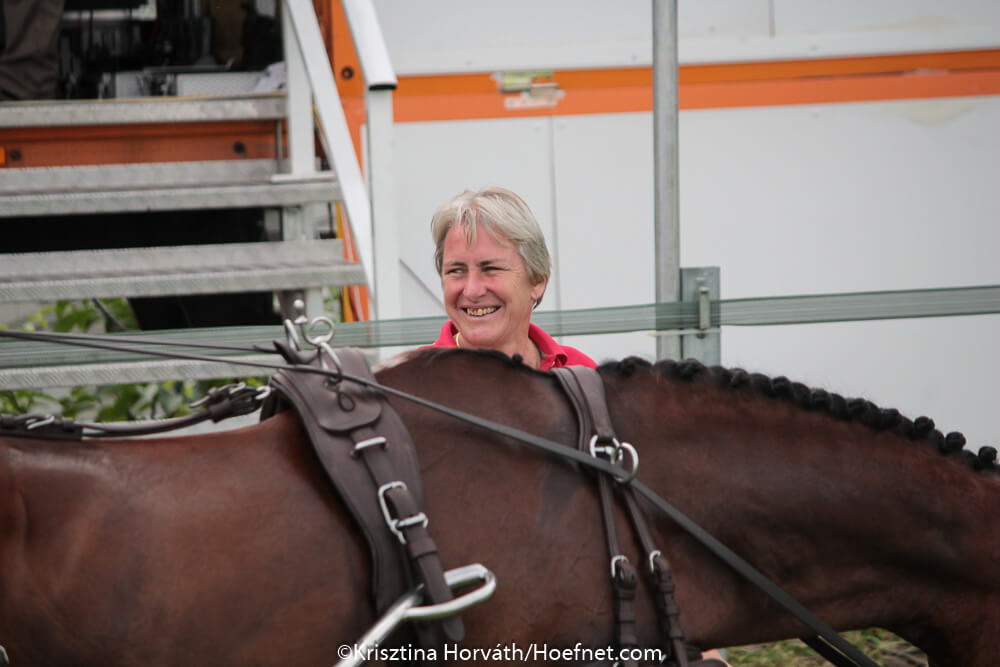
[(494, 267)]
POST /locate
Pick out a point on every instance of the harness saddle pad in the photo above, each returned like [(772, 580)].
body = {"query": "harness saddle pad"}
[(331, 413)]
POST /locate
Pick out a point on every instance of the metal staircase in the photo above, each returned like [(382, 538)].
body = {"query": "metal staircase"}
[(289, 187)]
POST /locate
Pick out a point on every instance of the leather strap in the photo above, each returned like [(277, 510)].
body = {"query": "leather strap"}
[(349, 425), (585, 390)]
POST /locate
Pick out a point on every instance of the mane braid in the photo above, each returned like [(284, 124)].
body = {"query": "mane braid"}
[(818, 400)]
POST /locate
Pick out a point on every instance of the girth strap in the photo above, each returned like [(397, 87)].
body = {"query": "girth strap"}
[(350, 424), (585, 390)]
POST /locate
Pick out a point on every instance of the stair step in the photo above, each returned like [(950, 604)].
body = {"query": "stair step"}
[(166, 186), (162, 271), (48, 113)]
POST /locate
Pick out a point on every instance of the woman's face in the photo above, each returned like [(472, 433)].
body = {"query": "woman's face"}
[(487, 292)]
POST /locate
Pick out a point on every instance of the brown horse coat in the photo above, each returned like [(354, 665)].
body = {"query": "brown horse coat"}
[(232, 548)]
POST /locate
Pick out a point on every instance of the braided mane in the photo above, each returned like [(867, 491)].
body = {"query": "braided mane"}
[(781, 388)]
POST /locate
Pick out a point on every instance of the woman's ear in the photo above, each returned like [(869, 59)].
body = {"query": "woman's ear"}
[(538, 290)]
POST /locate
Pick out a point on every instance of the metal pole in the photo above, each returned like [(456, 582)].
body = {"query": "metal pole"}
[(665, 188)]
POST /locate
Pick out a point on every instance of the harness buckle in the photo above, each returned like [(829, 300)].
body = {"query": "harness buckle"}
[(395, 524), (617, 562), (615, 453)]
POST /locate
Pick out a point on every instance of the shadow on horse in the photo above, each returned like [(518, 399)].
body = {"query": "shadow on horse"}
[(233, 548)]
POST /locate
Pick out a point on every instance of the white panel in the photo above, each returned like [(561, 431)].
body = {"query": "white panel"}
[(433, 36), (821, 16), (734, 19), (457, 35), (604, 219), (812, 199), (436, 161)]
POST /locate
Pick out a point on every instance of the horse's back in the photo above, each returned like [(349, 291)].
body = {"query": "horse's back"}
[(215, 549)]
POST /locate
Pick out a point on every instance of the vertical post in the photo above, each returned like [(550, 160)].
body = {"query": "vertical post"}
[(378, 105), (665, 182), (298, 102), (301, 154)]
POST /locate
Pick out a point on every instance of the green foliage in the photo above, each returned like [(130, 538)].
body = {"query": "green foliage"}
[(881, 646), (124, 402)]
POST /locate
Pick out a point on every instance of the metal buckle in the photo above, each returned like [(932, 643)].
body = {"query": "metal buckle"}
[(615, 562), (395, 524), (615, 453), (652, 555)]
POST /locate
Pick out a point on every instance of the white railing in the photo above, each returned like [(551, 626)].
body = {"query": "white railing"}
[(312, 89)]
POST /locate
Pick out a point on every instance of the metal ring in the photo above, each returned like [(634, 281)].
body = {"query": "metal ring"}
[(634, 456), (613, 450), (317, 339), (405, 608)]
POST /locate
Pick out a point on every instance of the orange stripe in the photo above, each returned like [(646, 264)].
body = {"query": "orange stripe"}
[(708, 95), (463, 84), (153, 142)]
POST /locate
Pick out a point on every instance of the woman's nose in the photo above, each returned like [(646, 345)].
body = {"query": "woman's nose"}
[(474, 285)]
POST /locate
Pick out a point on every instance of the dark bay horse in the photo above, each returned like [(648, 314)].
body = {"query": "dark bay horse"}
[(233, 549)]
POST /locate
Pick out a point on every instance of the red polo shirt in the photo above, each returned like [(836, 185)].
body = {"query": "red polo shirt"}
[(554, 355)]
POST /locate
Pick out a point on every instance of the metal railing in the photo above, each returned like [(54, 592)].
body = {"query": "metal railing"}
[(26, 364), (312, 93)]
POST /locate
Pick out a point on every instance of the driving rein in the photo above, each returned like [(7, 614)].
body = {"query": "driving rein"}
[(398, 501)]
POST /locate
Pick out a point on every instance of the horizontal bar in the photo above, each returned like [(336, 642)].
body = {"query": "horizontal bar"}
[(32, 364), (816, 308)]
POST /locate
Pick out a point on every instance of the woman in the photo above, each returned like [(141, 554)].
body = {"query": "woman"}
[(494, 267)]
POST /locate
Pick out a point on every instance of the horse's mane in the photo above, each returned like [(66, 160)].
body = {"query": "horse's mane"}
[(781, 388)]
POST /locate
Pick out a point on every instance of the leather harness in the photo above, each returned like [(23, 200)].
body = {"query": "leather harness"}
[(351, 425), (369, 456), (400, 508), (585, 390)]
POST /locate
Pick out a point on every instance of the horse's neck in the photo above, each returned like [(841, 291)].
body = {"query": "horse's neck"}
[(867, 526)]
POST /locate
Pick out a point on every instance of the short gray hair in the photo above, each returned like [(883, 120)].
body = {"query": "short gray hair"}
[(505, 217)]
